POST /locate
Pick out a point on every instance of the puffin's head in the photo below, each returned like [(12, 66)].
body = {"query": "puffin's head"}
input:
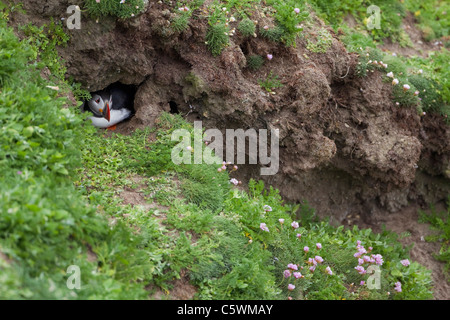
[(99, 107)]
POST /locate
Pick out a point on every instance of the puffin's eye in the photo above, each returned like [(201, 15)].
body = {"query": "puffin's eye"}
[(97, 101)]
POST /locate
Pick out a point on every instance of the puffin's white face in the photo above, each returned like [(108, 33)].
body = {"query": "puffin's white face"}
[(99, 107), (96, 104)]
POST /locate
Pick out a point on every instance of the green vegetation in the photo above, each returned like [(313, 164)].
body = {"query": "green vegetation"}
[(431, 16), (439, 222), (322, 43), (63, 184), (120, 9), (270, 83), (255, 62), (247, 27), (184, 13)]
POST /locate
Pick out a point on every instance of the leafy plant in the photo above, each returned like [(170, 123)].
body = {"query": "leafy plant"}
[(271, 82), (289, 15), (322, 43), (121, 9), (440, 222), (247, 27), (217, 38), (255, 62)]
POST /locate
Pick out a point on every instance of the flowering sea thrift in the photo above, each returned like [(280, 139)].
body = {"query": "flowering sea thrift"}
[(267, 208), (360, 269), (306, 249), (405, 262), (398, 286), (291, 287), (328, 270), (318, 245), (294, 225), (234, 181), (263, 227), (292, 266)]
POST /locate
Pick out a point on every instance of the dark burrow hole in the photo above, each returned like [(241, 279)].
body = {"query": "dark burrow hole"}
[(127, 94), (173, 107)]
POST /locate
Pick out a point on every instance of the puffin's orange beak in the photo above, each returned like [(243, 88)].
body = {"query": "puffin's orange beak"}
[(107, 112)]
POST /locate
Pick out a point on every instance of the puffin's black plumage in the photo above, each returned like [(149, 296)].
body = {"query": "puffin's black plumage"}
[(120, 97)]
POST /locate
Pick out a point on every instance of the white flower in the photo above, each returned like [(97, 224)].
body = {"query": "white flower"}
[(234, 181), (406, 87), (390, 74), (395, 81)]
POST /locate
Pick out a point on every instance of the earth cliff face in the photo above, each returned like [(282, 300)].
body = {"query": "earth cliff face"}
[(344, 145)]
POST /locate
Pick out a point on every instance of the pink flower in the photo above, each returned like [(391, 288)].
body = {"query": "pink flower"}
[(294, 225), (297, 10), (292, 266), (98, 1), (312, 268), (299, 235), (297, 275), (378, 259), (287, 273), (398, 286), (405, 262), (328, 270), (269, 56), (234, 181), (312, 261), (362, 283), (360, 261), (291, 287), (281, 221), (360, 270), (319, 259), (267, 208), (318, 246), (263, 227), (306, 249)]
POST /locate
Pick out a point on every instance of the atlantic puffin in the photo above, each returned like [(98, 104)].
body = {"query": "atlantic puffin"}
[(109, 106)]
